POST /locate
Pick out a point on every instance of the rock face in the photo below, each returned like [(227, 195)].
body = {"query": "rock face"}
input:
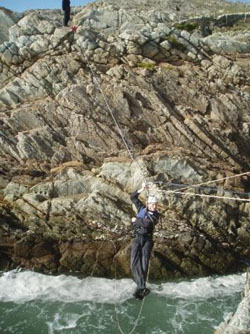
[(179, 90), (7, 19), (239, 322)]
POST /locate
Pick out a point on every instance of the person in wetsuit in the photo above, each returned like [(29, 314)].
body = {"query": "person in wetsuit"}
[(144, 223), (66, 9)]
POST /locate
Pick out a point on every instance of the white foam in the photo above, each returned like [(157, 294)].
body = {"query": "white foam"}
[(69, 321), (23, 286), (204, 288)]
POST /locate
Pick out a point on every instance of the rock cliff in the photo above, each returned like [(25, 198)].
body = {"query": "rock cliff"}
[(175, 78), (239, 322)]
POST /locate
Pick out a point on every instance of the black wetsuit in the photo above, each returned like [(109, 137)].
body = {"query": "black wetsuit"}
[(66, 9), (143, 241)]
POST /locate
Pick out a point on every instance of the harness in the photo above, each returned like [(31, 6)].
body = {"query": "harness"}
[(140, 230)]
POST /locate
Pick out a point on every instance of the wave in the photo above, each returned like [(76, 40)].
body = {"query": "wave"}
[(22, 286), (204, 288)]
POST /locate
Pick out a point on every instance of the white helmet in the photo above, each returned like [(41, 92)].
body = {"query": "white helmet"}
[(152, 199)]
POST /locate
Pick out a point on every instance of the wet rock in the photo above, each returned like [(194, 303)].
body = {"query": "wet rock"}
[(239, 322)]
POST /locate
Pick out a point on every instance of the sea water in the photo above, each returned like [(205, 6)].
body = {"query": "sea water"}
[(34, 303)]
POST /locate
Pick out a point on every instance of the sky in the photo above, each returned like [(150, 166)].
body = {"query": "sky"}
[(22, 5)]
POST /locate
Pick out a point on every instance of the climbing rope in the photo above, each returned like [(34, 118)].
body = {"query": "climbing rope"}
[(198, 185), (111, 113), (179, 186), (208, 182), (143, 172), (143, 175), (209, 196)]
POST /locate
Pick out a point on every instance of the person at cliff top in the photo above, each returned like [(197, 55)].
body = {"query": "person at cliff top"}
[(66, 9), (144, 223)]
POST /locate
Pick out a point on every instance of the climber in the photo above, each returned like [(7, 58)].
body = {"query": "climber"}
[(144, 223), (66, 9)]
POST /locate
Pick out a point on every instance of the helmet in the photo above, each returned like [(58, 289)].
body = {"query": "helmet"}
[(152, 199)]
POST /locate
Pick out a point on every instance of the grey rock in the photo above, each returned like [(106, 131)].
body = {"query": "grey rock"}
[(239, 322), (13, 191), (226, 43), (7, 20)]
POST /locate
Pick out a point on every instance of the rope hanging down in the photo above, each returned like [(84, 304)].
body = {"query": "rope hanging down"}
[(112, 114), (143, 173), (145, 178)]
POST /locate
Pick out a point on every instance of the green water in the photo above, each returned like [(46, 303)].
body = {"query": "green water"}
[(34, 303)]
